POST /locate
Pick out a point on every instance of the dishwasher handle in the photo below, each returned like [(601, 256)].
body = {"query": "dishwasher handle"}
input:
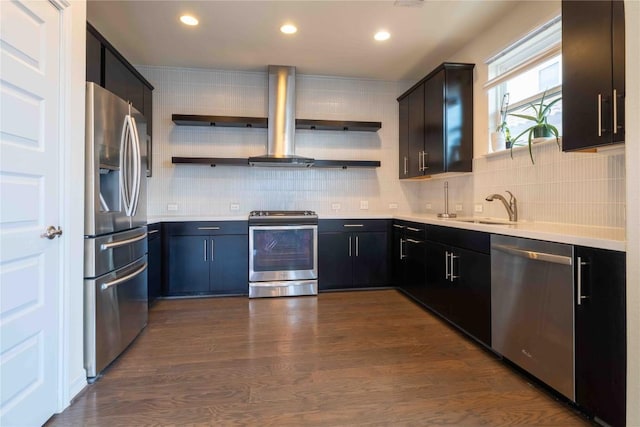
[(534, 255)]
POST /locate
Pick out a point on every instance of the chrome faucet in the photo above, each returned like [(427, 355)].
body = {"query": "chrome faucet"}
[(511, 206)]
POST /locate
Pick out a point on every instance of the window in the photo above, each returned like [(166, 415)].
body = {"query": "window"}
[(521, 75)]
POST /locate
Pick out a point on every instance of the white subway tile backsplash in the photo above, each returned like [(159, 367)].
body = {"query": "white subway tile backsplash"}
[(562, 187)]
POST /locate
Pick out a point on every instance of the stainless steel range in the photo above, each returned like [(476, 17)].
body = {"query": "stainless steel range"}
[(283, 253)]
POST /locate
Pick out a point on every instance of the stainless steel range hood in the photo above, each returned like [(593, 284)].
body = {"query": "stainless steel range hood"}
[(282, 121)]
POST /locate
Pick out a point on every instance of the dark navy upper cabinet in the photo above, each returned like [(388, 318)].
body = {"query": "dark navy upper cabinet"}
[(593, 79), (436, 123)]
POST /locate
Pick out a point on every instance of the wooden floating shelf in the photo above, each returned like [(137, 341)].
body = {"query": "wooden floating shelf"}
[(338, 125), (234, 161), (261, 122), (219, 121)]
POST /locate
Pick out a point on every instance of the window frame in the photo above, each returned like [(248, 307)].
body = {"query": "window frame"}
[(546, 41)]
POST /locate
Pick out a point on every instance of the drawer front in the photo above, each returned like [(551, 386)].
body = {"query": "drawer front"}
[(153, 231), (411, 230), (352, 225), (208, 228), (466, 239)]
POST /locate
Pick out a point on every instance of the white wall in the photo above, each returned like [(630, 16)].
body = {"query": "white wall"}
[(574, 188), (632, 25), (200, 190), (73, 375)]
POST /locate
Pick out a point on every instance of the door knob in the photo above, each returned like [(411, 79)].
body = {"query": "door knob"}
[(51, 232)]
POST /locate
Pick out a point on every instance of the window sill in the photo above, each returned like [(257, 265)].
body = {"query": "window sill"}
[(507, 151)]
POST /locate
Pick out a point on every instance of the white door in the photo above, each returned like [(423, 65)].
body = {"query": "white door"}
[(30, 272)]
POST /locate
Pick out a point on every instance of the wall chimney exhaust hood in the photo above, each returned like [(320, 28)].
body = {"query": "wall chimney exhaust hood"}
[(281, 123), (281, 126)]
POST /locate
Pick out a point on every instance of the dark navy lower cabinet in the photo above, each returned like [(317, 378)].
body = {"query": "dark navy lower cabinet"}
[(601, 333), (409, 257), (154, 274), (208, 258), (353, 254), (458, 284)]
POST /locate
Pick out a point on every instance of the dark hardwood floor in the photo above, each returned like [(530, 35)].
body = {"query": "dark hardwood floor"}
[(345, 358)]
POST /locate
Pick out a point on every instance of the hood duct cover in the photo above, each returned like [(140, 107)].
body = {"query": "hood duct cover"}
[(282, 121)]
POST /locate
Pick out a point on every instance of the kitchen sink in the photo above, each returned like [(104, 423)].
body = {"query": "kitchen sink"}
[(486, 221)]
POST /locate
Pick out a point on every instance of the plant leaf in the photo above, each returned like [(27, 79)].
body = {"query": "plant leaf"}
[(524, 116)]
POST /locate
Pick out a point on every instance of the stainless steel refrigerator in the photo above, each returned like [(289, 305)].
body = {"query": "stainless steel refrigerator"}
[(115, 254)]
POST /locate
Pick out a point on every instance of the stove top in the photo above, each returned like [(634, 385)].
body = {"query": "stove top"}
[(283, 218), (281, 213)]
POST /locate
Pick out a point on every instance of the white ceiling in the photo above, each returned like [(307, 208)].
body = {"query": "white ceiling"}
[(334, 37)]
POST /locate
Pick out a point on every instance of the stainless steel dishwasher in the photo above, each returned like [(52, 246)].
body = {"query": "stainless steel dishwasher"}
[(532, 319)]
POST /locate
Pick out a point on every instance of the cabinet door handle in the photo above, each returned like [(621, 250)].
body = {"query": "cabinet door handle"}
[(579, 296), (446, 265), (402, 255), (405, 165), (420, 161), (424, 161), (204, 242), (615, 111), (357, 246), (599, 114), (349, 245), (452, 276), (212, 250)]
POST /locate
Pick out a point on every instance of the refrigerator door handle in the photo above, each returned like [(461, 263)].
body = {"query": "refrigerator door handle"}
[(137, 164), (107, 285), (125, 176)]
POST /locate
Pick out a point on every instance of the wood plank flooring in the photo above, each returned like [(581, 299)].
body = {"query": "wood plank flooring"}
[(346, 358)]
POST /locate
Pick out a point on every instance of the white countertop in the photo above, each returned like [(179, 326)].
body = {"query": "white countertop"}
[(598, 237)]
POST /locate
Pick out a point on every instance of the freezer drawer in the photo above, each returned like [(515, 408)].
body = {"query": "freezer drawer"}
[(115, 313), (113, 251)]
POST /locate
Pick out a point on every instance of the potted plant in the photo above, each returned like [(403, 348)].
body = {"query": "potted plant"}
[(540, 127), (501, 138)]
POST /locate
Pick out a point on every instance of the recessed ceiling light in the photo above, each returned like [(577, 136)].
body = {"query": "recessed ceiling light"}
[(382, 35), (289, 29), (188, 20)]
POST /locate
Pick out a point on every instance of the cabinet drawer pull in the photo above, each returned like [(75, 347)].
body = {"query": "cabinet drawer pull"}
[(208, 228), (353, 225), (150, 232), (402, 227), (413, 241), (413, 229)]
